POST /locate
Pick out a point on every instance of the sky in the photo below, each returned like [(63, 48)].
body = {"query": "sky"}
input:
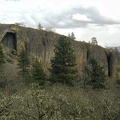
[(86, 18)]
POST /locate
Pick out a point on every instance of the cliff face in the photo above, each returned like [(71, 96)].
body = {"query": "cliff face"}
[(40, 44)]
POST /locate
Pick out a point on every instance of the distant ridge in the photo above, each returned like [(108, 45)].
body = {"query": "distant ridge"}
[(116, 48)]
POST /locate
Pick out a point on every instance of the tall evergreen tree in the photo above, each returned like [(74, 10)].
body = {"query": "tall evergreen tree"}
[(23, 63), (39, 26), (72, 36), (63, 64), (38, 74), (96, 74), (94, 40)]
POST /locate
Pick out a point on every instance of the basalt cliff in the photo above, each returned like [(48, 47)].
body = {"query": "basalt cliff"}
[(40, 44)]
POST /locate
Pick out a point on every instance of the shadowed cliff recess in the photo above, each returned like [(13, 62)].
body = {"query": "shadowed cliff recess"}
[(9, 41), (40, 44)]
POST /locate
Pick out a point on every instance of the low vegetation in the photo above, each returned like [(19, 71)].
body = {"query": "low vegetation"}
[(61, 103)]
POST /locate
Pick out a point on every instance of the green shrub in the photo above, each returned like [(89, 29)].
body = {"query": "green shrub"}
[(60, 103)]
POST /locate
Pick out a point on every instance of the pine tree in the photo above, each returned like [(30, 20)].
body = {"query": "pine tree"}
[(38, 74), (96, 74), (71, 36), (39, 26), (94, 40), (63, 64), (23, 63)]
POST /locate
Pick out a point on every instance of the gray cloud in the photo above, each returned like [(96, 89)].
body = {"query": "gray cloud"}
[(64, 19), (56, 18)]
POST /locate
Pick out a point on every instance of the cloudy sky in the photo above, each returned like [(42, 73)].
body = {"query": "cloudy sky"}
[(86, 18)]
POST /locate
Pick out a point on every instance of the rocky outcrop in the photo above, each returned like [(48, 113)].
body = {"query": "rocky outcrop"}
[(40, 44)]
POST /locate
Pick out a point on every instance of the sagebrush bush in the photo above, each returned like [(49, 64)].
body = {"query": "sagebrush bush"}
[(60, 103)]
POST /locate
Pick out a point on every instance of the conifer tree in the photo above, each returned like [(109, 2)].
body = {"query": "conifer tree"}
[(38, 74), (96, 74), (23, 63), (63, 64), (72, 36)]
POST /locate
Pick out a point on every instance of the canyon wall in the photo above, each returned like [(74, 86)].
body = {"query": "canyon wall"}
[(40, 44)]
